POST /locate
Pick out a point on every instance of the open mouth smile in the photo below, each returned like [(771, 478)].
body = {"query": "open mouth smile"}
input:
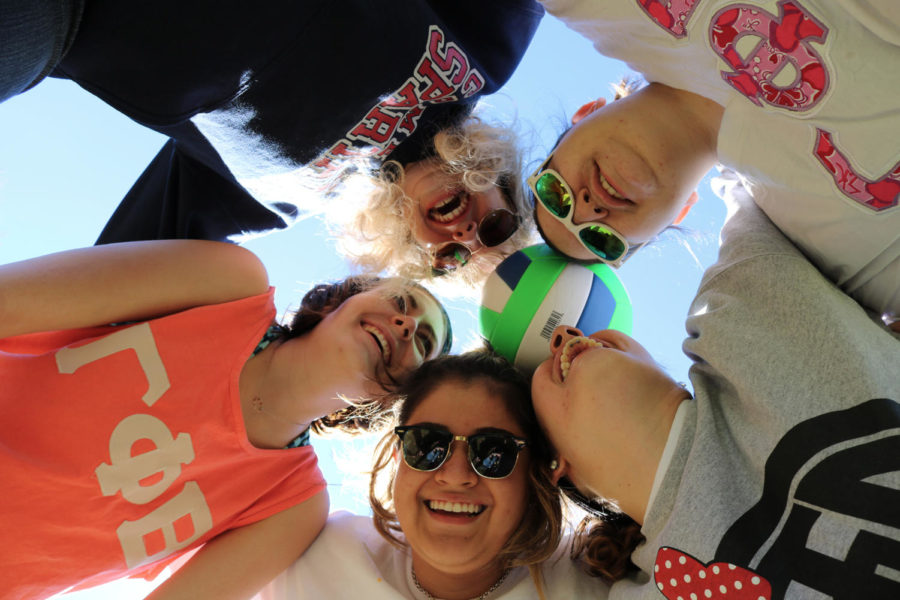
[(450, 208), (381, 340), (572, 349), (456, 508)]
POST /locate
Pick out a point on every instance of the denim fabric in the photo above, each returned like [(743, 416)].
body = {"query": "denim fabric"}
[(34, 36)]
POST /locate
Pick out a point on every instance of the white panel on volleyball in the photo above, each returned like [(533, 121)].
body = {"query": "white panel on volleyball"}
[(562, 305)]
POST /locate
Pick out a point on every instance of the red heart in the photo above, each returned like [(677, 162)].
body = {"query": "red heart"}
[(680, 576)]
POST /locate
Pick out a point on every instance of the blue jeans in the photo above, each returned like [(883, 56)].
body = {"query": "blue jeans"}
[(34, 36)]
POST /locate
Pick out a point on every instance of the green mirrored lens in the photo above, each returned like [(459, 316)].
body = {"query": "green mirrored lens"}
[(553, 194), (603, 242)]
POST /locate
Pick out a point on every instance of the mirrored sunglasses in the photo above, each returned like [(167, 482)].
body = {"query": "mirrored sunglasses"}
[(492, 455), (494, 228), (551, 190)]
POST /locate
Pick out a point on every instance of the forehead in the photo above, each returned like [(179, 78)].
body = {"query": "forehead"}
[(429, 306), (464, 408)]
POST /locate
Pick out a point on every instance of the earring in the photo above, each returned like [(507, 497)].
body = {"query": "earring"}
[(553, 464)]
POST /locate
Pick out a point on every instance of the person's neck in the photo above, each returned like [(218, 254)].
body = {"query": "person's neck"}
[(455, 586), (282, 391), (628, 477)]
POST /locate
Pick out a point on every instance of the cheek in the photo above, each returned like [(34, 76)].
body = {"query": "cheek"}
[(549, 407), (515, 498)]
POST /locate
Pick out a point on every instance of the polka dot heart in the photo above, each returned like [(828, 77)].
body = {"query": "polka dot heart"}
[(682, 577)]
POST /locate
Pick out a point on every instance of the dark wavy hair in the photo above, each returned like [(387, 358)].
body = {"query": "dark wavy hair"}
[(540, 531), (605, 538), (317, 303)]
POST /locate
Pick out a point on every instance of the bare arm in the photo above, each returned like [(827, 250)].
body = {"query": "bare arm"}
[(123, 282), (238, 563)]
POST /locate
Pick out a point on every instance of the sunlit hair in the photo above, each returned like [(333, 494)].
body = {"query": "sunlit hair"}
[(540, 531), (379, 235), (363, 414)]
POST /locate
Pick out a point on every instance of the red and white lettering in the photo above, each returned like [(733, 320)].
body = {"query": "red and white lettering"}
[(473, 84), (671, 15), (405, 97), (138, 338), (437, 88), (188, 507), (443, 74), (377, 127), (124, 472), (877, 195), (785, 40), (449, 59)]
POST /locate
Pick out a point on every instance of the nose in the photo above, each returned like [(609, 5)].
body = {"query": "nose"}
[(561, 335), (404, 326), (456, 470), (587, 208), (465, 233)]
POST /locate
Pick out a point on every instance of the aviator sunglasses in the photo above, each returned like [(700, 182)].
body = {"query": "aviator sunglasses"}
[(492, 455), (552, 191), (493, 229)]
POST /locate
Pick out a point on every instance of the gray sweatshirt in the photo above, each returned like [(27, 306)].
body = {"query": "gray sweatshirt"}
[(782, 478)]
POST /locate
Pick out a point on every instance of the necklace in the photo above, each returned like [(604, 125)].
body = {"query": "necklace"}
[(489, 591)]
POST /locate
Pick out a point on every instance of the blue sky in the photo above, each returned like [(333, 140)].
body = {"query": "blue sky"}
[(66, 159)]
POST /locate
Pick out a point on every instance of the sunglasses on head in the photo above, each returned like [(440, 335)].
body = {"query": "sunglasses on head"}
[(492, 455), (493, 229), (551, 190)]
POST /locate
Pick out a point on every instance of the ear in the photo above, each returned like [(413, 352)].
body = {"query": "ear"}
[(587, 109), (562, 467), (686, 208)]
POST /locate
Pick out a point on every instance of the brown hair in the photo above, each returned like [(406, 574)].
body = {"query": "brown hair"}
[(539, 533), (604, 545), (362, 415)]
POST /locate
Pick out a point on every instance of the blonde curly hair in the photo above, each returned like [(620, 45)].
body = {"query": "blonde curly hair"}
[(379, 237)]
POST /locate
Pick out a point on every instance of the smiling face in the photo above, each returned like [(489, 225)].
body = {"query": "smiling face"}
[(388, 330), (455, 521), (443, 209), (632, 164), (587, 395)]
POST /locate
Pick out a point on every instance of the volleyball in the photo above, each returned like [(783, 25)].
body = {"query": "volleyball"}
[(535, 290)]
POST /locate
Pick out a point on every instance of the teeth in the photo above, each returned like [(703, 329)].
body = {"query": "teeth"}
[(573, 348), (456, 507), (385, 348), (610, 189), (438, 215)]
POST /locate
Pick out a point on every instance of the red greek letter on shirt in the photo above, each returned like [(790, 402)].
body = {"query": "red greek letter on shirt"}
[(784, 40), (377, 127), (877, 195), (673, 16)]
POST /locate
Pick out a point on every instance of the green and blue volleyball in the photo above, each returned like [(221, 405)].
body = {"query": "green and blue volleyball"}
[(535, 290)]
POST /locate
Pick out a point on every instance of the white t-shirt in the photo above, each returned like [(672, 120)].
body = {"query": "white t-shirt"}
[(811, 119), (350, 559)]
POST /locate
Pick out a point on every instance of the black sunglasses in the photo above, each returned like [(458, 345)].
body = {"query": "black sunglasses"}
[(492, 455), (494, 228)]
